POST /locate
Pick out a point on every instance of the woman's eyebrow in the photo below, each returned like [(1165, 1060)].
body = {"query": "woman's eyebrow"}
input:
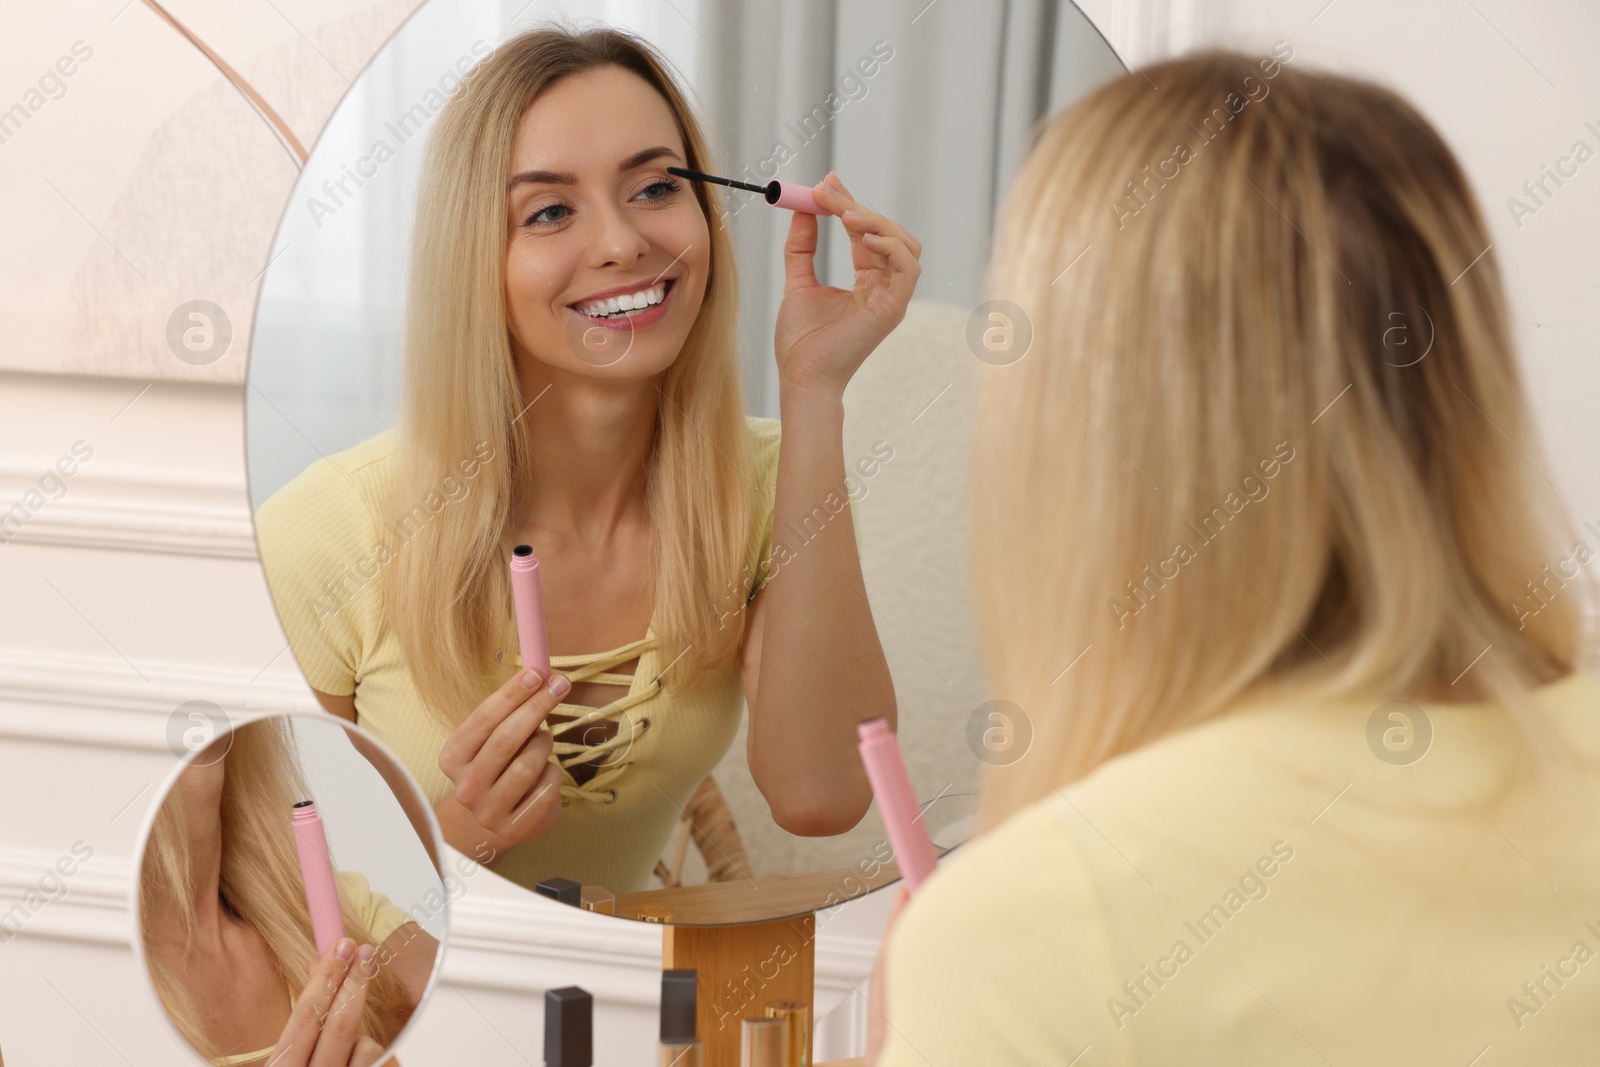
[(563, 177)]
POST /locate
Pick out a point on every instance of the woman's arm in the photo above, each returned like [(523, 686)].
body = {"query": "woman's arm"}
[(410, 952), (813, 665)]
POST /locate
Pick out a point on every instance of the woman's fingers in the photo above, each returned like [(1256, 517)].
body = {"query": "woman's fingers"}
[(519, 777), (537, 813), (476, 777), (341, 1030), (860, 223), (463, 745), (800, 251), (368, 1052), (904, 270), (299, 1036), (510, 737), (832, 195)]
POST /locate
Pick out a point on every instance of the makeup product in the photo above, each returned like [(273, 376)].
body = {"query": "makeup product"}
[(797, 1030), (525, 593), (653, 913), (568, 1028), (562, 890), (792, 195), (880, 754), (762, 1043), (316, 871), (679, 1046), (597, 898)]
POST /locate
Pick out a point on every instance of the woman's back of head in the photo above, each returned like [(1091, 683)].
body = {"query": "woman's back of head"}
[(1270, 435)]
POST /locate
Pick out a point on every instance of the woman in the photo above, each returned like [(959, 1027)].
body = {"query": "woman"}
[(1324, 785), (542, 409), (227, 932)]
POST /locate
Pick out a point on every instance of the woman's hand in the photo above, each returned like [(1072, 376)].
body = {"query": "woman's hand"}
[(824, 333), (878, 989), (324, 1029), (507, 789)]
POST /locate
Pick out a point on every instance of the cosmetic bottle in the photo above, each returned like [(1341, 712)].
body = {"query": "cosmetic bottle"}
[(568, 1028), (316, 874), (528, 600), (891, 787), (561, 890), (763, 1043), (679, 1046), (797, 1032)]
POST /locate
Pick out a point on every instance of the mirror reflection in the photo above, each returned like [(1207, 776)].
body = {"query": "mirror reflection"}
[(289, 905), (498, 322)]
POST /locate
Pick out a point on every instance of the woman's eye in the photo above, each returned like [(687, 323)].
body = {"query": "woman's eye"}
[(544, 216), (660, 190)]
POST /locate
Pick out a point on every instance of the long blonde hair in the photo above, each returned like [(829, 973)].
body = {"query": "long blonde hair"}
[(260, 879), (447, 594), (1270, 438)]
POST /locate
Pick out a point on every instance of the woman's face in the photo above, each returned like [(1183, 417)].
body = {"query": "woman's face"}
[(597, 226)]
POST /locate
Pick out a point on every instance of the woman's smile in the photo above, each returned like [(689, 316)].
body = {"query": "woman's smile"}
[(627, 308)]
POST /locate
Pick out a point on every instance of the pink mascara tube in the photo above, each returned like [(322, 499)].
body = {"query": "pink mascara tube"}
[(913, 850), (530, 610), (791, 195), (316, 870)]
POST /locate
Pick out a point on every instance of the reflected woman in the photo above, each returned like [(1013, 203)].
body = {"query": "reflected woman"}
[(227, 932), (1310, 791), (572, 383)]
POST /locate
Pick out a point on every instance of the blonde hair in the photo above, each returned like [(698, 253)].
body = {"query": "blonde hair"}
[(1252, 237), (260, 879), (447, 593)]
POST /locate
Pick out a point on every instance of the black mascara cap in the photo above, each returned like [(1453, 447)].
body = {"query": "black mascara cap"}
[(568, 1028), (564, 890)]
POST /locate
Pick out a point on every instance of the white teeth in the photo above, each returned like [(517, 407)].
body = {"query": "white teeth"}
[(619, 305)]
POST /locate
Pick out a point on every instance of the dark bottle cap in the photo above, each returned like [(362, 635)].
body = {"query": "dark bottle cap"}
[(568, 1028), (564, 890), (677, 1006)]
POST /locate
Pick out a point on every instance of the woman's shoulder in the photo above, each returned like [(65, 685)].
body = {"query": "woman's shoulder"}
[(1011, 910), (338, 492), (377, 913)]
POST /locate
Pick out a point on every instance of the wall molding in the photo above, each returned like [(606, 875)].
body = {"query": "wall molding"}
[(179, 513), (99, 701)]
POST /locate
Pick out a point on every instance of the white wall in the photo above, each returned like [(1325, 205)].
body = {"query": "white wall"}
[(1510, 85)]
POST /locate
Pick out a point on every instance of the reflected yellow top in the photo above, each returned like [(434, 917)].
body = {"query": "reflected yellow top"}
[(1265, 889), (378, 913), (320, 537)]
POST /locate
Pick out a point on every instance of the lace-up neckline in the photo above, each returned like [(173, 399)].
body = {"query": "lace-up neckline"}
[(597, 667)]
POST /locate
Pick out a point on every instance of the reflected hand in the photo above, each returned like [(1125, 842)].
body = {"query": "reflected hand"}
[(507, 788), (824, 333), (324, 1029)]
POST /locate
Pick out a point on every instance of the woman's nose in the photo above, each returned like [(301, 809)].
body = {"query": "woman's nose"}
[(618, 241)]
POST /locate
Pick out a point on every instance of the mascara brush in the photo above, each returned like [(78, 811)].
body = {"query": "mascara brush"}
[(792, 195)]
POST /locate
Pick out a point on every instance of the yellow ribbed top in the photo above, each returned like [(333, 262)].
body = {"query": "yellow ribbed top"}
[(1264, 888), (378, 913), (322, 539)]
